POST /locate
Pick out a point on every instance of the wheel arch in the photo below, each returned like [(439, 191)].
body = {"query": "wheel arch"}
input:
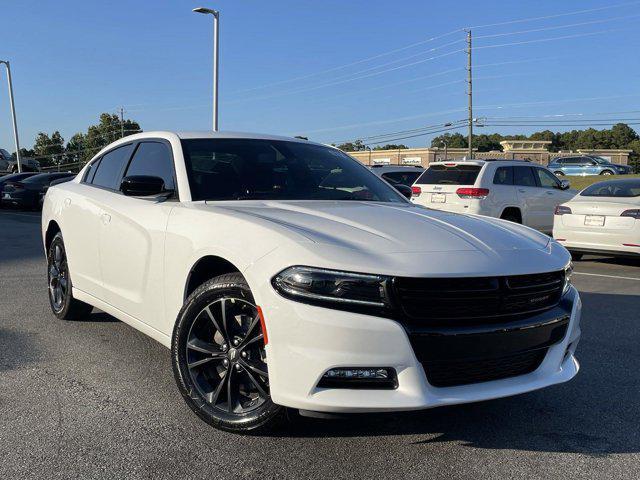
[(512, 209), (52, 229), (206, 268)]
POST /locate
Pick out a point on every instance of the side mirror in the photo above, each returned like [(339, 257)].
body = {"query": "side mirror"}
[(142, 185), (404, 190), (564, 184)]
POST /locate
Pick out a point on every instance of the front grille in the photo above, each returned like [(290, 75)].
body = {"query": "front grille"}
[(473, 300), (463, 372)]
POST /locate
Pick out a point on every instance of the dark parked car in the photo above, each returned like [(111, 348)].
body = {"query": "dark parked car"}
[(29, 193), (583, 165), (13, 177), (9, 165)]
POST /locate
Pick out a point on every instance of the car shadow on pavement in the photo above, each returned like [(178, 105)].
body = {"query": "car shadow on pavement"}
[(594, 414), (97, 316), (623, 261)]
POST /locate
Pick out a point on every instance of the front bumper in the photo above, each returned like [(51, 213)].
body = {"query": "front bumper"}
[(305, 341)]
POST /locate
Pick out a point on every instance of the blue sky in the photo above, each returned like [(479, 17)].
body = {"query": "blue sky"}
[(72, 60)]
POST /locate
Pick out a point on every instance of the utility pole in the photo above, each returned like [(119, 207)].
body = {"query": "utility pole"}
[(121, 122), (470, 93), (13, 116)]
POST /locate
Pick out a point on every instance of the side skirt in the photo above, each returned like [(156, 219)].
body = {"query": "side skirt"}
[(120, 315)]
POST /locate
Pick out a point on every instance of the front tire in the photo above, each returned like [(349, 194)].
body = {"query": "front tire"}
[(63, 305), (218, 357), (575, 256)]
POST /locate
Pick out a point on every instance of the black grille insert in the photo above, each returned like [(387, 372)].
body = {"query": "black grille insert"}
[(463, 372), (470, 299)]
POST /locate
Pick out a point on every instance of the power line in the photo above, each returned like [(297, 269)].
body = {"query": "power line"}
[(316, 87), (557, 27), (420, 134), (550, 39), (358, 62), (557, 15), (404, 132)]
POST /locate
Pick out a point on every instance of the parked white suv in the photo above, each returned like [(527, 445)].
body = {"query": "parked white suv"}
[(518, 191), (284, 273)]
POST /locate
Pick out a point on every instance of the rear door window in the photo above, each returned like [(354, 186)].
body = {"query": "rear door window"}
[(503, 176), (454, 175), (155, 159), (109, 170), (523, 176)]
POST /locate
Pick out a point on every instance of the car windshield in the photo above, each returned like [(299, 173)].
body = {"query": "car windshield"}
[(455, 174), (616, 188), (5, 154), (602, 161), (251, 169)]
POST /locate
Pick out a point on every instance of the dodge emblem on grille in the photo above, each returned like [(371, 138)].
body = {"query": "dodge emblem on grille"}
[(538, 299)]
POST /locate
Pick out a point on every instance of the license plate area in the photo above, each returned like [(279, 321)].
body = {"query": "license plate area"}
[(594, 220), (438, 198)]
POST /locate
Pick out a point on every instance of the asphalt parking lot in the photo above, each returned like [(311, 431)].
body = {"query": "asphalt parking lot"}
[(96, 399)]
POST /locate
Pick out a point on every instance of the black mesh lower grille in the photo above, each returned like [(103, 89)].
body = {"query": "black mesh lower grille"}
[(462, 372)]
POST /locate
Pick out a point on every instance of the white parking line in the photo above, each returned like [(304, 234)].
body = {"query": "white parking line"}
[(606, 276)]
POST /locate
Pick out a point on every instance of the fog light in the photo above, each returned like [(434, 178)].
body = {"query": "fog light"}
[(360, 377)]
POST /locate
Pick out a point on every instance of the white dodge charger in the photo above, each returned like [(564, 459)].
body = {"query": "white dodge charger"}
[(283, 273)]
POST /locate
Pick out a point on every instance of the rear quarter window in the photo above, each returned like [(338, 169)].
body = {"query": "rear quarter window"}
[(454, 175)]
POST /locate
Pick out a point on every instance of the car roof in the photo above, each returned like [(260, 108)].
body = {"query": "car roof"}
[(203, 134), (479, 162), (401, 168)]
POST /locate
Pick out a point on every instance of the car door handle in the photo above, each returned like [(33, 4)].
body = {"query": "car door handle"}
[(67, 202), (522, 190), (550, 193), (106, 218)]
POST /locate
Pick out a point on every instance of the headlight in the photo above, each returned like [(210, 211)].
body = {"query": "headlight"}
[(344, 290), (568, 272)]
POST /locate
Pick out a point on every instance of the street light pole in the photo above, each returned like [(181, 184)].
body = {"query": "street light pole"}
[(13, 116), (216, 37)]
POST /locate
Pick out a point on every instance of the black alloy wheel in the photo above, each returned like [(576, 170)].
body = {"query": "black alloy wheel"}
[(63, 305), (219, 357), (58, 277)]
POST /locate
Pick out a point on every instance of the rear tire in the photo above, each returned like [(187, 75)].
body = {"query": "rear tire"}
[(558, 174), (218, 357), (606, 172), (61, 300), (575, 256)]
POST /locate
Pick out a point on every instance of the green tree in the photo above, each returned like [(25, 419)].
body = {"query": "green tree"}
[(109, 128), (453, 140), (355, 146), (49, 149), (390, 146)]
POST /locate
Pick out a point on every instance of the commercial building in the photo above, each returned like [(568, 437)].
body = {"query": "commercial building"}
[(532, 150)]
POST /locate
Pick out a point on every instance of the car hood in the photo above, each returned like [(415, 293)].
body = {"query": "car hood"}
[(388, 228)]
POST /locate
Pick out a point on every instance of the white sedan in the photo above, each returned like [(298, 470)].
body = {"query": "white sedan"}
[(283, 273), (603, 219)]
